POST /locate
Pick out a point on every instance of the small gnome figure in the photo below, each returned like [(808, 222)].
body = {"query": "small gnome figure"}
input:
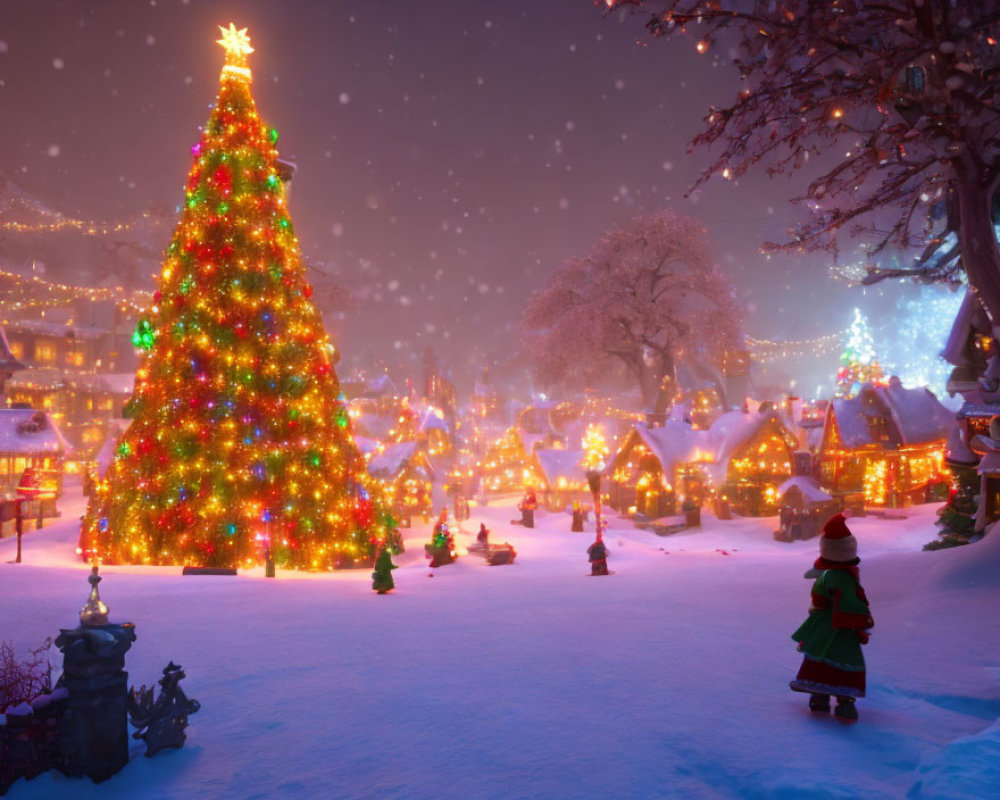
[(441, 549), (577, 525), (527, 508), (598, 555), (838, 623), (382, 581)]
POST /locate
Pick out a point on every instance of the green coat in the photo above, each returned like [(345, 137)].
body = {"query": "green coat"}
[(839, 614)]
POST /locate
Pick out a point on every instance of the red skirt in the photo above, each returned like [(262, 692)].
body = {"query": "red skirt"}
[(819, 677)]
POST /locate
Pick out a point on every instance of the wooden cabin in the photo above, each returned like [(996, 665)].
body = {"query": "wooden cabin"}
[(408, 476), (804, 509), (655, 468), (561, 477), (753, 457), (31, 439), (885, 445), (435, 432)]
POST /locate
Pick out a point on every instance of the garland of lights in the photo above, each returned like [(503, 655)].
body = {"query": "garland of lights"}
[(23, 293), (239, 444), (86, 227)]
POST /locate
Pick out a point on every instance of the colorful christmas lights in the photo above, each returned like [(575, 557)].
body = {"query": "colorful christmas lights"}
[(238, 442), (858, 362)]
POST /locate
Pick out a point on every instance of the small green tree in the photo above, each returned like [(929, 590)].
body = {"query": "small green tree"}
[(957, 519), (382, 581)]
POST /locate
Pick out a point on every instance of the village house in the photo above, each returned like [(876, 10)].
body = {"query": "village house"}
[(65, 372), (561, 477), (407, 475), (30, 440), (753, 457), (655, 467), (804, 509), (884, 446)]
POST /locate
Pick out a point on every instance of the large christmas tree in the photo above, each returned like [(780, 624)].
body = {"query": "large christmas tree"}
[(238, 440), (858, 362)]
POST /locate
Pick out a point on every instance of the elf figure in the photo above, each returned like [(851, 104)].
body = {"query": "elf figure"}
[(597, 553), (831, 637), (382, 581)]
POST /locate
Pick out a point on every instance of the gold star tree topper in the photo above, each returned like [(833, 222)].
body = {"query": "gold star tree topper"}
[(236, 43)]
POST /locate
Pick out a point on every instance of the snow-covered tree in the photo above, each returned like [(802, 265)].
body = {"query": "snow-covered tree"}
[(647, 296), (900, 99)]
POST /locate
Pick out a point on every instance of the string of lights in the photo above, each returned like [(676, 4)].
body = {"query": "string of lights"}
[(764, 351), (55, 222), (30, 293)]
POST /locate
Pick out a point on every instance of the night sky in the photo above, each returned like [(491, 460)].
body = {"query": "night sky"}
[(450, 153)]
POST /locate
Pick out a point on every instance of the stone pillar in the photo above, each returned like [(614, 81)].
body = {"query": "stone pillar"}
[(93, 730)]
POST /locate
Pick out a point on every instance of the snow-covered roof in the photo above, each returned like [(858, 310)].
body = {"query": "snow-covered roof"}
[(851, 420), (392, 459), (811, 491), (433, 419), (916, 415), (564, 464), (734, 428), (676, 442), (379, 386), (375, 426), (27, 431)]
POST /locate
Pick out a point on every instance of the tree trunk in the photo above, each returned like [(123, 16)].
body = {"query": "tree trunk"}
[(667, 380), (648, 384), (978, 243), (658, 383)]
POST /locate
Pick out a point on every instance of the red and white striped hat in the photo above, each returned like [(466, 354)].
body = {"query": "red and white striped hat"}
[(837, 542)]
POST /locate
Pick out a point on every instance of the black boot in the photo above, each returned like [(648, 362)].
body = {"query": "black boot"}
[(819, 702), (846, 710)]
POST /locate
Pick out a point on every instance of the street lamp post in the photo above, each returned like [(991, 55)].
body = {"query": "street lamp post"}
[(597, 552), (594, 481)]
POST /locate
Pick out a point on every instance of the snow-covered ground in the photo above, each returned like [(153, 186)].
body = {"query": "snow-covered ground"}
[(667, 679)]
